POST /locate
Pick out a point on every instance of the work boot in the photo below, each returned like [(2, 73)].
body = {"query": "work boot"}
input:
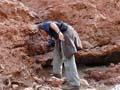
[(70, 87)]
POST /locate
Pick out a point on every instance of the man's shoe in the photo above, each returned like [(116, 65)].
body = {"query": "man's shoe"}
[(69, 87)]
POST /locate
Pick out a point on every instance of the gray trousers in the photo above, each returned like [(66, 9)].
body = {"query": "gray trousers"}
[(69, 64)]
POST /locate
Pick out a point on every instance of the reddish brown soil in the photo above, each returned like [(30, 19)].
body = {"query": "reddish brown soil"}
[(96, 21)]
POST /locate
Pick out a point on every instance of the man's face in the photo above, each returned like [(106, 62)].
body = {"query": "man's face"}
[(43, 32)]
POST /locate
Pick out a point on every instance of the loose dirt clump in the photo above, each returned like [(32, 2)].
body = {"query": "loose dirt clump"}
[(108, 76)]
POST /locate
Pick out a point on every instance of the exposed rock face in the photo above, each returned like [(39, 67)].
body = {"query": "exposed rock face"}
[(14, 32), (97, 22), (11, 9), (15, 21)]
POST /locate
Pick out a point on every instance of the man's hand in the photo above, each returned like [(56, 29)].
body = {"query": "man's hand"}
[(57, 30), (61, 36)]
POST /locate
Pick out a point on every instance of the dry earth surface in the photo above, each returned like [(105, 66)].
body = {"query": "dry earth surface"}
[(23, 55)]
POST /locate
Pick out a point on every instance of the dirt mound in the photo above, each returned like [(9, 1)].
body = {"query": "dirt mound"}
[(16, 40), (14, 32), (15, 22)]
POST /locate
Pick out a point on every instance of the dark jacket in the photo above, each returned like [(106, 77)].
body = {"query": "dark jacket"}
[(72, 41), (71, 44), (46, 27)]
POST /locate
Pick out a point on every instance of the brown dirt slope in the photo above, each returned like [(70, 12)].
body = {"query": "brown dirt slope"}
[(97, 22)]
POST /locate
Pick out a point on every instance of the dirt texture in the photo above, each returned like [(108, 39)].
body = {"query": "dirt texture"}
[(97, 22), (108, 76), (23, 52)]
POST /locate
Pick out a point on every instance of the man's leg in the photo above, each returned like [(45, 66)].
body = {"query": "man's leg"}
[(57, 64), (71, 71)]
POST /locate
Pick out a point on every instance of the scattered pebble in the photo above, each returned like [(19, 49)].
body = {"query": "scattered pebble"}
[(15, 86), (55, 81), (29, 88), (117, 87)]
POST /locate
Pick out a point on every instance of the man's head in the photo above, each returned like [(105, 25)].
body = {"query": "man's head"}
[(41, 29), (38, 27)]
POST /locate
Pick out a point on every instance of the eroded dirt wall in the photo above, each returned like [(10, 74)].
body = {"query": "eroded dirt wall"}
[(97, 22)]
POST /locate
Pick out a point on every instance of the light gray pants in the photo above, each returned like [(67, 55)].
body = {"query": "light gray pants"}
[(69, 64)]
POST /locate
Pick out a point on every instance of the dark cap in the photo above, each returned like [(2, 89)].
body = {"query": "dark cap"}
[(40, 26)]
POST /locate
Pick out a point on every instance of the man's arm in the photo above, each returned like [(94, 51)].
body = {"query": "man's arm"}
[(57, 30)]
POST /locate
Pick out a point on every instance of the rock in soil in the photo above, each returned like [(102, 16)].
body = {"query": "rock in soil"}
[(117, 87), (29, 88), (56, 82)]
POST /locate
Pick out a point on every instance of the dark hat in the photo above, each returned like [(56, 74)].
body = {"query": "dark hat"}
[(44, 26), (40, 26)]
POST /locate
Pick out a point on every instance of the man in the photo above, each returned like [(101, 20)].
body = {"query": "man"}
[(67, 42)]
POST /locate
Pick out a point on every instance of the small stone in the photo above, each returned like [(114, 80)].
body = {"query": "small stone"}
[(1, 66), (29, 88), (117, 87), (118, 63), (112, 65), (37, 87), (44, 88), (55, 81), (91, 89), (15, 86), (84, 82)]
